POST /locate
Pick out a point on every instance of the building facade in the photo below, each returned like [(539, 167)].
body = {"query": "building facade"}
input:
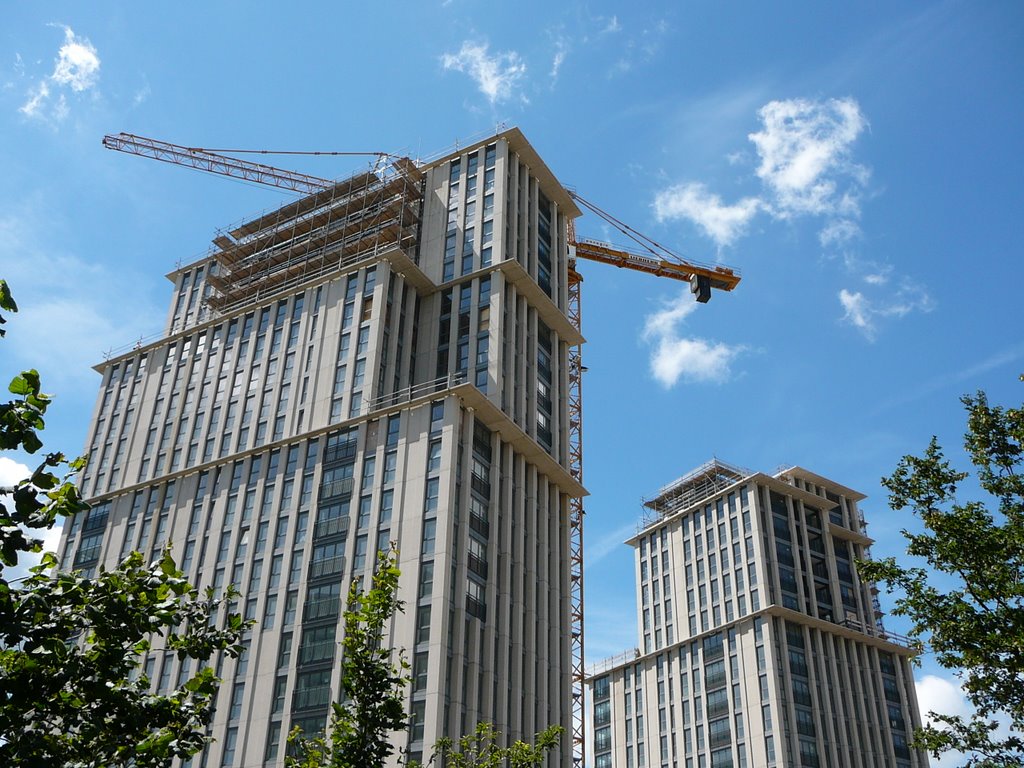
[(384, 361), (758, 644)]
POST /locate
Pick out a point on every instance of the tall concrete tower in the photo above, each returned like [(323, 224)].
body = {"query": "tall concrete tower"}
[(384, 361), (758, 644)]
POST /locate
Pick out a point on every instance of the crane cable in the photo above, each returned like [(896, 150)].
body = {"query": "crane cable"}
[(653, 247)]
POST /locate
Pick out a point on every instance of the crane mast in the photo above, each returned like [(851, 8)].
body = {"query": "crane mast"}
[(647, 256)]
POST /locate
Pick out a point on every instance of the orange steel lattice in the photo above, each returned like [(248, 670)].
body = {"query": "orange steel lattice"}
[(576, 518)]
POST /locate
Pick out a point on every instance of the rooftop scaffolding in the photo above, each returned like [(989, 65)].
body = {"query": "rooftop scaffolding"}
[(348, 221), (692, 488)]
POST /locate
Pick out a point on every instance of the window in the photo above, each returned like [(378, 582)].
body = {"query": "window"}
[(432, 492), (230, 740), (419, 671), (426, 580), (434, 459), (429, 534)]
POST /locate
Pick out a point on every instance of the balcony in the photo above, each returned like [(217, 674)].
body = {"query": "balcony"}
[(341, 452), (332, 566), (330, 527), (333, 489), (477, 565), (311, 698), (480, 525), (327, 608)]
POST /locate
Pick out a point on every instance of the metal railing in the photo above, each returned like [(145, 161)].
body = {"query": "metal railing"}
[(613, 661), (414, 392)]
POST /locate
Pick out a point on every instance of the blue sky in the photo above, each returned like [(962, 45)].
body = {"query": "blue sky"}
[(860, 163)]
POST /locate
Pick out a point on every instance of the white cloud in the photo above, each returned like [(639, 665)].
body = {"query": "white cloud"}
[(12, 472), (946, 697), (865, 313), (78, 63), (856, 308), (613, 25), (804, 148), (937, 694), (77, 69), (37, 100), (838, 232), (142, 95), (563, 44), (497, 76), (637, 49), (557, 61), (805, 169), (599, 550), (64, 326), (692, 201), (674, 357)]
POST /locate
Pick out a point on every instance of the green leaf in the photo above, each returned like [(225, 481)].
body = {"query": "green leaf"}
[(25, 383)]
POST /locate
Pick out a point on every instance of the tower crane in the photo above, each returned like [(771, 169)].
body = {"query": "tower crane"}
[(645, 256)]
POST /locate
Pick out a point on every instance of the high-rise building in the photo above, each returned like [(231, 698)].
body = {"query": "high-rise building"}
[(759, 645), (382, 361)]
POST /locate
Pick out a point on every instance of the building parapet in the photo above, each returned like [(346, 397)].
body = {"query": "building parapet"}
[(612, 662)]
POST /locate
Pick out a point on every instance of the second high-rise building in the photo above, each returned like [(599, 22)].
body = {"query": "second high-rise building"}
[(759, 645)]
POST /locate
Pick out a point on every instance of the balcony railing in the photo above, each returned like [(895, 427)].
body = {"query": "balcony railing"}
[(332, 526), (329, 567), (480, 525), (337, 488), (322, 609)]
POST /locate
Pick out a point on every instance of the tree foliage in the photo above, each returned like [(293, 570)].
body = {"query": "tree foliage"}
[(974, 619), (70, 645), (372, 683), (480, 750)]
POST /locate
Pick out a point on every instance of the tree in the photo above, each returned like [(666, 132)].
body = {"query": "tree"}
[(70, 645), (480, 750), (372, 685), (975, 624)]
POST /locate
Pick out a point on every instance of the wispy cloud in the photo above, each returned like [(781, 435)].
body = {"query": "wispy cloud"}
[(838, 232), (142, 95), (77, 69), (675, 357), (74, 323), (955, 378), (864, 313), (599, 550), (692, 200), (805, 149), (613, 25), (639, 48), (562, 47), (497, 76)]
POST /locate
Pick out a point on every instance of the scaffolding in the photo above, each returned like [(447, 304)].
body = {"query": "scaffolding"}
[(692, 488), (354, 219)]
